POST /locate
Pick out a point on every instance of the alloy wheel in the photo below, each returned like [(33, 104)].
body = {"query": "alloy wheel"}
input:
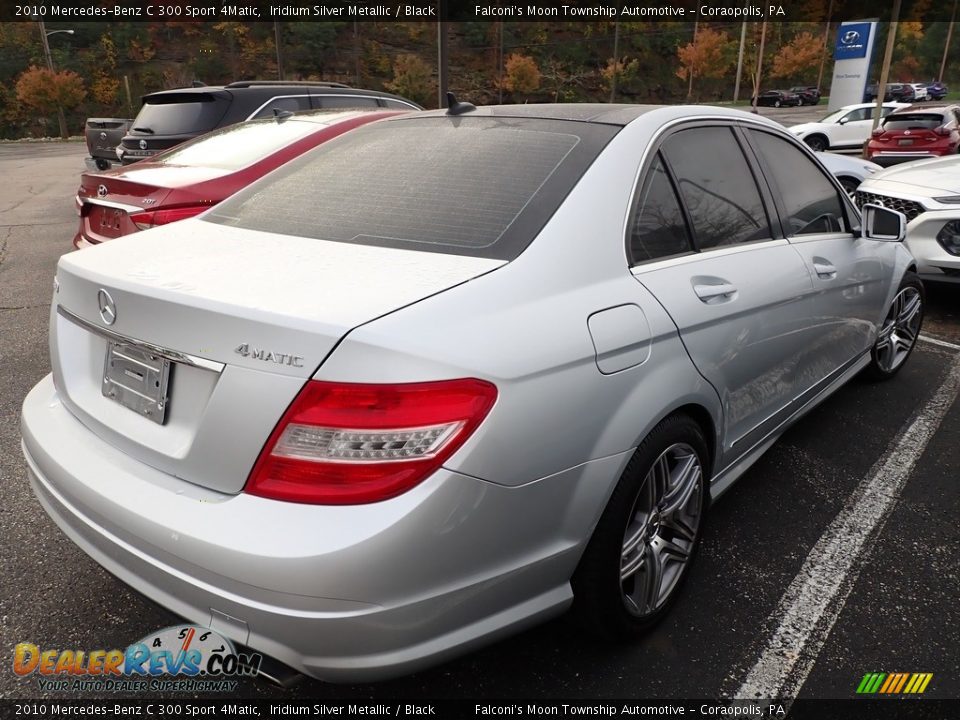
[(900, 329), (661, 530)]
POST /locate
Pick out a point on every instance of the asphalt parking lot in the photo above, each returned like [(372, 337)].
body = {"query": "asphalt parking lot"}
[(833, 557)]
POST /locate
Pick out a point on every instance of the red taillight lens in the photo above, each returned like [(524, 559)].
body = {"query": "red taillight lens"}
[(151, 218), (348, 444), (878, 132), (943, 131)]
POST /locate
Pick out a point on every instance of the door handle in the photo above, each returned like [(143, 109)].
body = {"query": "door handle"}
[(825, 270), (715, 293)]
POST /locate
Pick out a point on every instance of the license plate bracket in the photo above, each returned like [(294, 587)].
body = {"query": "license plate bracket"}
[(905, 141), (137, 378)]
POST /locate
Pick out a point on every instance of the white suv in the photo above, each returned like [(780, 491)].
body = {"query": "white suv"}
[(845, 129), (928, 193), (920, 92)]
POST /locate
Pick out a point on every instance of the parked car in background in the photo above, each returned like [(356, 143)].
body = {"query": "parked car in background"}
[(103, 135), (809, 94), (844, 129), (170, 117), (937, 90), (778, 98), (915, 135), (849, 171), (313, 415), (894, 92), (919, 92), (928, 193), (194, 176)]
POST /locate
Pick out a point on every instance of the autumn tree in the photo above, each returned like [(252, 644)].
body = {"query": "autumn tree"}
[(798, 58), (48, 92), (618, 72), (708, 56), (522, 75), (411, 79)]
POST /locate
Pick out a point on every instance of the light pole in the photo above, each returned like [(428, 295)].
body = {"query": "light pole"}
[(44, 33)]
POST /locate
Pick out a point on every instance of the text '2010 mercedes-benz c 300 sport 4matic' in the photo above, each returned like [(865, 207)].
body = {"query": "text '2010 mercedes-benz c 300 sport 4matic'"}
[(451, 373)]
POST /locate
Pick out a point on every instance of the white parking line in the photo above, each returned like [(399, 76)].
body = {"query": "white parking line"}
[(813, 601), (941, 343)]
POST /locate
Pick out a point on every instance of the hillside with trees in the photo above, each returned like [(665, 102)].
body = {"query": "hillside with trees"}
[(102, 69)]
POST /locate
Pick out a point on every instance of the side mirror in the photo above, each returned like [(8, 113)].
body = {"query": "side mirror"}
[(843, 121), (880, 223)]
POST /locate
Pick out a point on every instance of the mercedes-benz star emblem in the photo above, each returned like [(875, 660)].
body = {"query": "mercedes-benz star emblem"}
[(101, 190), (108, 309), (143, 144)]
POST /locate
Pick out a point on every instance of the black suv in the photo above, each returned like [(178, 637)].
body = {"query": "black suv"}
[(169, 117), (809, 94)]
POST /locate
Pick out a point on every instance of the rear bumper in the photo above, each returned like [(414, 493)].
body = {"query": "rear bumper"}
[(892, 157), (342, 594)]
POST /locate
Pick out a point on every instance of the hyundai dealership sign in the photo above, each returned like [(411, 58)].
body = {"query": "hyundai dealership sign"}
[(851, 68)]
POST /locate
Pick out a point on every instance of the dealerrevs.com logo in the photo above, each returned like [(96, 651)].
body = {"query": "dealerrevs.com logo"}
[(184, 657)]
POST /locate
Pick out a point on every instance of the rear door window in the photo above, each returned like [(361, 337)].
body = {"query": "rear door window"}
[(717, 187), (658, 228), (180, 114)]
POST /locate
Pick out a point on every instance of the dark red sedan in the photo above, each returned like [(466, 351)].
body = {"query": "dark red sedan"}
[(192, 177), (914, 135)]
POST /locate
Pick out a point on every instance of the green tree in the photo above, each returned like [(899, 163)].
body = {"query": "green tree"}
[(411, 79)]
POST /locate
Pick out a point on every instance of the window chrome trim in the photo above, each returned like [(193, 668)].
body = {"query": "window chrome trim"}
[(172, 355), (675, 260)]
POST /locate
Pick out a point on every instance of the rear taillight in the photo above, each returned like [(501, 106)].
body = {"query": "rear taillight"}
[(151, 218), (943, 131), (878, 132), (348, 444)]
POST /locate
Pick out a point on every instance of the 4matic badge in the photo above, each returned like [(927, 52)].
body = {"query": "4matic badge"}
[(269, 356)]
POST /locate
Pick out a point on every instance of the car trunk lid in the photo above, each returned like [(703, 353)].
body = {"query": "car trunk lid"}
[(242, 318)]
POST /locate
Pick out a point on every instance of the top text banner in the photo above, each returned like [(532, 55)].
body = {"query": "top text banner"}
[(462, 11)]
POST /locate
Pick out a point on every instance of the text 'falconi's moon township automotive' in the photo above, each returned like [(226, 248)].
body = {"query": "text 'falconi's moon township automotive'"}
[(533, 343)]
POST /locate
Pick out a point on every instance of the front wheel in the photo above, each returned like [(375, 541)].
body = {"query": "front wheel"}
[(899, 331), (776, 103), (638, 557)]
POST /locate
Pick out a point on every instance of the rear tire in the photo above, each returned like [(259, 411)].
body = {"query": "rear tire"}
[(899, 330), (776, 103), (817, 143), (646, 539)]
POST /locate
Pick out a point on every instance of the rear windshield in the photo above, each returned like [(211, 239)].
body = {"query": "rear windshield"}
[(913, 121), (477, 186), (179, 114), (237, 146)]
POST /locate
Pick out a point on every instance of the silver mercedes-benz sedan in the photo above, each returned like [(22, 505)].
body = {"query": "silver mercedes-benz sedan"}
[(452, 373)]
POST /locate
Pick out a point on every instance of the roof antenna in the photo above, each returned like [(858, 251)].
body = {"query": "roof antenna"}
[(455, 107), (281, 115)]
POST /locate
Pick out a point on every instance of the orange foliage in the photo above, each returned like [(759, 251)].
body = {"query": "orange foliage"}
[(707, 56), (798, 57), (522, 74), (45, 91)]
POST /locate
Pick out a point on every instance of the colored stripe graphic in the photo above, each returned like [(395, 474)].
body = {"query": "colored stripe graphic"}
[(894, 683)]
